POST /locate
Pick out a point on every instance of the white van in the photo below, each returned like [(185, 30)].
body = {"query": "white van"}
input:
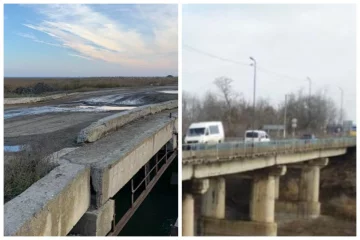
[(256, 136), (205, 132)]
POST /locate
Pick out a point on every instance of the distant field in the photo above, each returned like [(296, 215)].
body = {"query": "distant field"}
[(19, 87)]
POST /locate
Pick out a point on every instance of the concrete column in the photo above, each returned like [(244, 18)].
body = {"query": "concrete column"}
[(190, 188), (213, 201), (309, 184), (188, 215), (277, 187), (308, 205), (263, 199), (262, 205)]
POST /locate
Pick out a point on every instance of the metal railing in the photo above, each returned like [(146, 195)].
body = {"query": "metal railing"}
[(242, 148), (148, 182)]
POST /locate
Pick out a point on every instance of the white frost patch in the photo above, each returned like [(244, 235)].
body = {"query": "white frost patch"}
[(136, 101), (169, 91), (103, 99), (40, 110), (109, 108)]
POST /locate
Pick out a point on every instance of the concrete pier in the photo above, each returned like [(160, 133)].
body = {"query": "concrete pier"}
[(213, 201), (262, 205), (277, 187), (191, 188), (307, 205), (188, 215)]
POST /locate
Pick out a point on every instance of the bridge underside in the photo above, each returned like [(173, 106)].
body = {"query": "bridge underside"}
[(207, 181), (238, 164)]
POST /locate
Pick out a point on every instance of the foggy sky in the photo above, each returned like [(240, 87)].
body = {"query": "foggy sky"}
[(294, 40)]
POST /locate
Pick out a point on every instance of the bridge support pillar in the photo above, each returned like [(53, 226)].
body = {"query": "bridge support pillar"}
[(213, 201), (96, 222), (190, 188), (188, 214), (262, 205), (277, 187), (307, 205)]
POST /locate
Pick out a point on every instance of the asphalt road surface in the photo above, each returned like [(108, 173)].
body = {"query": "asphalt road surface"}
[(55, 124)]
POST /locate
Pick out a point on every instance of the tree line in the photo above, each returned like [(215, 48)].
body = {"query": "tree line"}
[(313, 113)]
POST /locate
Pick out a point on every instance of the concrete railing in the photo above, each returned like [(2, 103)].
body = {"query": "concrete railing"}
[(55, 204), (100, 128), (242, 149), (51, 206)]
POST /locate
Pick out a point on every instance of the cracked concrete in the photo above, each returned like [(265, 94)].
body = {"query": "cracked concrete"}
[(116, 158), (52, 205)]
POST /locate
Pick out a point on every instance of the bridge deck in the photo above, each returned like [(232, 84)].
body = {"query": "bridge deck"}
[(118, 144), (201, 153), (115, 158)]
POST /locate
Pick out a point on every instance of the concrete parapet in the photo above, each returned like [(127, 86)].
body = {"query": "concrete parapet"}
[(96, 222), (113, 166), (111, 123), (223, 227), (52, 205)]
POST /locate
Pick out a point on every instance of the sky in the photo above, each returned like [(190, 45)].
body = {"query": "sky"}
[(289, 43), (90, 40)]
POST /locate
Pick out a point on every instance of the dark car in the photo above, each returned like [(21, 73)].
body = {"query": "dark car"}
[(309, 138)]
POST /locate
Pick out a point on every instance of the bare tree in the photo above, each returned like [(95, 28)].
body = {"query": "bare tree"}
[(224, 84), (236, 112)]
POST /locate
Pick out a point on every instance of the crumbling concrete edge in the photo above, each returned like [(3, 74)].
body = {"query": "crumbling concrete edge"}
[(100, 128), (52, 205), (100, 173)]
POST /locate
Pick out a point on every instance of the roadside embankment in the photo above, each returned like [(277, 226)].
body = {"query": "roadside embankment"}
[(26, 100)]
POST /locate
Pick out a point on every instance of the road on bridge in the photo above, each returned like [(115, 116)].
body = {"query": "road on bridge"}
[(54, 124)]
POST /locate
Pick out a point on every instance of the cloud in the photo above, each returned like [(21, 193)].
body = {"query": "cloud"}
[(32, 37), (93, 34), (79, 56)]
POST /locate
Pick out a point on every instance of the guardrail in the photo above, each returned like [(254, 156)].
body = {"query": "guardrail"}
[(274, 146)]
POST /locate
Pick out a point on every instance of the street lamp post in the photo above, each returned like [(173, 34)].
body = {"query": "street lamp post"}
[(254, 94), (293, 125), (285, 115), (341, 107), (309, 79)]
